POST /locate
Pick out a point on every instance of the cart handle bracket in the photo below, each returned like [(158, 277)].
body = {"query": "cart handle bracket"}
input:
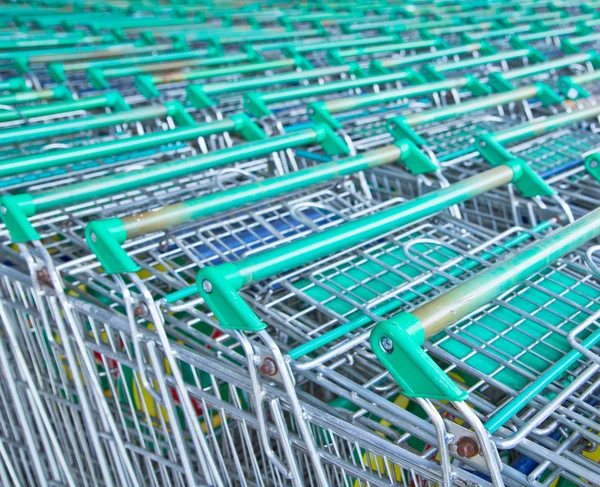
[(526, 180), (397, 343), (219, 288)]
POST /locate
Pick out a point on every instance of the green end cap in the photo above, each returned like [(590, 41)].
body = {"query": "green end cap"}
[(97, 79), (534, 56), (332, 143), (397, 343), (568, 47), (105, 237), (401, 130), (525, 179), (547, 95), (254, 104), (63, 93), (179, 114), (145, 85), (57, 72), (220, 293), (413, 158), (148, 38), (180, 43), (318, 113), (430, 72), (356, 70), (487, 49), (475, 86), (116, 101), (592, 165), (247, 128), (15, 211), (594, 59), (377, 67), (499, 84), (583, 29), (426, 35), (197, 97), (414, 77), (334, 57), (253, 55), (466, 39), (569, 89)]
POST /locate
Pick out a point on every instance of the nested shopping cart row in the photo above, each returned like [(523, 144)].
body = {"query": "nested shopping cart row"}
[(363, 259)]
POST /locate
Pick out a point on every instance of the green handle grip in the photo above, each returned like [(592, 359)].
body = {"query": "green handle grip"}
[(321, 111), (99, 76), (58, 93), (38, 131), (399, 46), (14, 84), (398, 341), (105, 237), (239, 123), (257, 103), (340, 44), (198, 94), (111, 99), (480, 290), (219, 285), (21, 230), (377, 65), (298, 253), (554, 122)]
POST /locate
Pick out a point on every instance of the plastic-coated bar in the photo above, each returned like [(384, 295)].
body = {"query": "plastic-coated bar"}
[(132, 69), (226, 71), (546, 66), (319, 45), (398, 46), (453, 306), (105, 237), (256, 103), (58, 93), (427, 56), (19, 207), (482, 60), (138, 60), (110, 99), (401, 24), (409, 295), (548, 124), (351, 103), (314, 247), (34, 162), (39, 131)]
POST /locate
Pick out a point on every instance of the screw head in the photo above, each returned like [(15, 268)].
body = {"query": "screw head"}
[(140, 310), (4, 210), (207, 286), (594, 164), (268, 367), (93, 237), (386, 344), (467, 447), (572, 93), (482, 143)]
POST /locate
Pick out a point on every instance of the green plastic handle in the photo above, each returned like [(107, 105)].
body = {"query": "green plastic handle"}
[(21, 206), (14, 84), (219, 285), (397, 47), (257, 103), (377, 65), (198, 95), (105, 237), (110, 100), (146, 84), (527, 130), (99, 76), (58, 93), (322, 111), (39, 131), (239, 123)]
